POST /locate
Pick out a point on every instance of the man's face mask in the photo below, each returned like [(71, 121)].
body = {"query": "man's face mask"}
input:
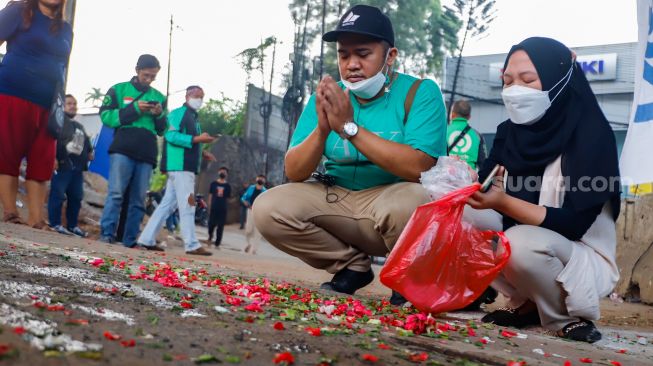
[(195, 103), (222, 175), (526, 106), (368, 88), (260, 182)]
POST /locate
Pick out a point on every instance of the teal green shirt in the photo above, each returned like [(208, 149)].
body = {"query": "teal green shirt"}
[(425, 130)]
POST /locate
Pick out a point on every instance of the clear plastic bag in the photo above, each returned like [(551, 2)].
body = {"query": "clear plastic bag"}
[(448, 175)]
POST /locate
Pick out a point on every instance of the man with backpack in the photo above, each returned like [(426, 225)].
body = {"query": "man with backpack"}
[(464, 141), (378, 129), (74, 150)]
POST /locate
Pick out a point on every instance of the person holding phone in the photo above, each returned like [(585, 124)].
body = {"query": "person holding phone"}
[(555, 193), (137, 113)]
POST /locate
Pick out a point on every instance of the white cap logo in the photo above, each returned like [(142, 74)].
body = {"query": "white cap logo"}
[(350, 19)]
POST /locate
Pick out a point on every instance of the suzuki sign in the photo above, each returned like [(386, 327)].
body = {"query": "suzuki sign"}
[(595, 67)]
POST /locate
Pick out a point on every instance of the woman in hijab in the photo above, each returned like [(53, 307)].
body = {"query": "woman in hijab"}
[(556, 194)]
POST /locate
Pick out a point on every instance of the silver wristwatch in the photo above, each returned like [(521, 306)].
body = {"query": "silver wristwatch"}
[(349, 130)]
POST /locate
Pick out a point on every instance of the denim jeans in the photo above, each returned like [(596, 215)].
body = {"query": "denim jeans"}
[(125, 171), (179, 189), (68, 185)]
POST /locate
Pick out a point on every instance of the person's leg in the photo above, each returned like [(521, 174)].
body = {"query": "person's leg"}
[(220, 221), (139, 184), (121, 169), (8, 195), (538, 256), (213, 222), (36, 195), (40, 165), (390, 207), (293, 225), (166, 207), (17, 125), (58, 187), (74, 194), (243, 216), (185, 189)]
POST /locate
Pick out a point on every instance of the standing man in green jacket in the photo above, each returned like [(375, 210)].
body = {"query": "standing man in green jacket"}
[(182, 153), (137, 113), (462, 140)]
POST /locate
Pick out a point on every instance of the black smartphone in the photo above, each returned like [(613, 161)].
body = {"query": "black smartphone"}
[(152, 102), (487, 183)]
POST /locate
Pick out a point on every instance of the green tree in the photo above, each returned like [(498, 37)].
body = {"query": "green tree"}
[(223, 116), (95, 96), (424, 31), (477, 15), (253, 59)]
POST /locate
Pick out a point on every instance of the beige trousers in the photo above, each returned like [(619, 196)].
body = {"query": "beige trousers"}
[(252, 235), (538, 257), (339, 233)]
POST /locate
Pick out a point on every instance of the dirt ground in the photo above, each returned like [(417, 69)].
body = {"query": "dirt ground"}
[(69, 301)]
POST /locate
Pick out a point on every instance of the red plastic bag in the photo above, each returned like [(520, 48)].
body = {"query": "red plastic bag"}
[(441, 263)]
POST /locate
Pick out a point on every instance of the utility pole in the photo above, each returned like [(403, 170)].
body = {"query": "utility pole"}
[(322, 42), (172, 23), (267, 110)]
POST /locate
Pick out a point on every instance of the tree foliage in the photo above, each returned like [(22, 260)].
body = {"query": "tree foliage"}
[(222, 116), (253, 59), (424, 31), (95, 96)]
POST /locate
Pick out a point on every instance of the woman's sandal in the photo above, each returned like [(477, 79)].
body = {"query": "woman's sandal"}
[(509, 317), (13, 218), (581, 331)]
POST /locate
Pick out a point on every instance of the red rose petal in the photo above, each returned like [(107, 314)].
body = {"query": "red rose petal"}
[(383, 346), (585, 360), (508, 334), (129, 343), (110, 336), (19, 330), (615, 363), (419, 357), (316, 332), (285, 357), (369, 357), (279, 326)]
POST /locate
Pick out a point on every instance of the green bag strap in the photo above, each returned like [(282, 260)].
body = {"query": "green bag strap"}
[(410, 97)]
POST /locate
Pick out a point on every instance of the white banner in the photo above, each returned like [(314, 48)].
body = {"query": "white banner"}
[(636, 158)]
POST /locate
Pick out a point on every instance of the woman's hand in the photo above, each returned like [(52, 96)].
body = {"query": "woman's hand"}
[(494, 198)]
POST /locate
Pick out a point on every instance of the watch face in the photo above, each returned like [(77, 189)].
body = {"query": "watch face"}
[(350, 128)]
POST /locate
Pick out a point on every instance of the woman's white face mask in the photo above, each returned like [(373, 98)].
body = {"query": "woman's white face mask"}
[(368, 88), (526, 105)]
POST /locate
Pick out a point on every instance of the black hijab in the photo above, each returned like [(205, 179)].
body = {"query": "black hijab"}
[(574, 127)]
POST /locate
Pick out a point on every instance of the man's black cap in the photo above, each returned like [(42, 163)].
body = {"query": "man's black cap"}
[(147, 62), (366, 20)]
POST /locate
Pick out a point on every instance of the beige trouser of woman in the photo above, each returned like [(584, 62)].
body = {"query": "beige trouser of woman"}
[(538, 257), (298, 219)]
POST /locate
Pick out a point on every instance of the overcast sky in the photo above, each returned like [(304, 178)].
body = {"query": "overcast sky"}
[(110, 35)]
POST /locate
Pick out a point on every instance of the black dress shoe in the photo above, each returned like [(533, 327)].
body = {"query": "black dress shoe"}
[(487, 297), (347, 281), (509, 317), (397, 299)]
